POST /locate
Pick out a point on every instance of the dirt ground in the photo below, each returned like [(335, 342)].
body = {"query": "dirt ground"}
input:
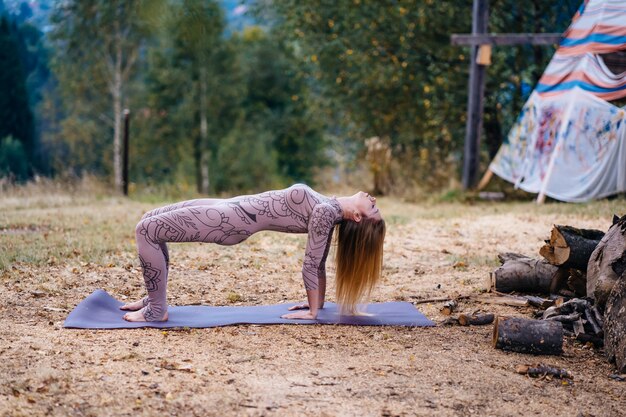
[(81, 244)]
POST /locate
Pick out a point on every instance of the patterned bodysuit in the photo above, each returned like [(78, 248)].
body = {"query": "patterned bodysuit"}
[(297, 209)]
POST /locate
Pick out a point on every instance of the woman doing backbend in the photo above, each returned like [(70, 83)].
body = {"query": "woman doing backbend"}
[(297, 209)]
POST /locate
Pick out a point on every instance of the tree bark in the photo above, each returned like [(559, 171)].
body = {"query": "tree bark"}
[(607, 263), (510, 256), (204, 134), (571, 247), (542, 370), (528, 336), (615, 325), (476, 319), (525, 275), (117, 114), (449, 307)]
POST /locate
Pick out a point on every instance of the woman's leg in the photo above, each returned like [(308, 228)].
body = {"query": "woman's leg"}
[(215, 223), (137, 305)]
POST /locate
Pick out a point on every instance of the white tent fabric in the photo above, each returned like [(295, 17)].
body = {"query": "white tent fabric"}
[(569, 143), (571, 147)]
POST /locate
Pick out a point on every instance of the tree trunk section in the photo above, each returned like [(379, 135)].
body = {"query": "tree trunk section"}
[(449, 307), (525, 275), (528, 336), (117, 118), (615, 325), (571, 247), (476, 319), (542, 370), (607, 263), (204, 134), (510, 256)]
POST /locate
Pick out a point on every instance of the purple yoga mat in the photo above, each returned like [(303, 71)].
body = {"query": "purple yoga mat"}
[(101, 311)]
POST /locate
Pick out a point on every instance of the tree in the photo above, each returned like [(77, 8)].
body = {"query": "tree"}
[(97, 45), (16, 118), (13, 160), (277, 90), (384, 69), (387, 69), (197, 27)]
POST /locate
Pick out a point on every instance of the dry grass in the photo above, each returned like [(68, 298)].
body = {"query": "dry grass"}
[(59, 245)]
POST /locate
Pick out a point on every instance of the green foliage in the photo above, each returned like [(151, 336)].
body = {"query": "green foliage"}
[(266, 106), (16, 118), (278, 104), (13, 159), (246, 160), (387, 68), (260, 130), (96, 44)]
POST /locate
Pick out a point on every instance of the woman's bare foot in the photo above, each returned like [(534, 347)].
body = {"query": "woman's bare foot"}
[(137, 305), (137, 316)]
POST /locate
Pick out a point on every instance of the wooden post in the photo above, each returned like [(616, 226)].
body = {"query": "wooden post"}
[(473, 124), (478, 38), (125, 153)]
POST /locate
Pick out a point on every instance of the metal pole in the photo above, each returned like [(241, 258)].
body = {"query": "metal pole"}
[(473, 125), (125, 153)]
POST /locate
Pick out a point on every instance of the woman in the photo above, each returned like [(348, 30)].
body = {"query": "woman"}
[(297, 209)]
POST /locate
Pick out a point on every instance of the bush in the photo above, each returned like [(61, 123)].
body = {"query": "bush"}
[(13, 159)]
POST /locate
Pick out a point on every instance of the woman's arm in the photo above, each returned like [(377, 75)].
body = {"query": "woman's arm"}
[(322, 291), (311, 314), (314, 267)]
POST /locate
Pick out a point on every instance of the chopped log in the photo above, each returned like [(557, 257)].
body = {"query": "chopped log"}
[(450, 321), (551, 311), (579, 327), (565, 318), (571, 247), (575, 305), (449, 307), (577, 282), (597, 330), (504, 257), (528, 336), (589, 338), (436, 299), (567, 293), (475, 319), (507, 300), (539, 302), (615, 325), (542, 370), (597, 316), (525, 275), (607, 263)]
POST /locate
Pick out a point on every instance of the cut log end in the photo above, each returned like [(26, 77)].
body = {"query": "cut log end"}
[(570, 247), (475, 319), (528, 336)]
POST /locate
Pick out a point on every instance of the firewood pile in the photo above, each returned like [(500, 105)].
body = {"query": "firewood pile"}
[(581, 277)]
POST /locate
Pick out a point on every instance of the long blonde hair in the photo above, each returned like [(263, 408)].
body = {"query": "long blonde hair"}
[(359, 260)]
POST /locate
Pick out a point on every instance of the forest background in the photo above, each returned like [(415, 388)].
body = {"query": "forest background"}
[(241, 96)]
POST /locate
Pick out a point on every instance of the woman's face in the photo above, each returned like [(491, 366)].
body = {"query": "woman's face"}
[(366, 204)]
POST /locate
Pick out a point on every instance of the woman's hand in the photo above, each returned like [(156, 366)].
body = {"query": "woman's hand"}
[(300, 315), (299, 307)]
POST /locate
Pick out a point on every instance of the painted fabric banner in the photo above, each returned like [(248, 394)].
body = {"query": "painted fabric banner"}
[(586, 71), (571, 146), (599, 27)]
